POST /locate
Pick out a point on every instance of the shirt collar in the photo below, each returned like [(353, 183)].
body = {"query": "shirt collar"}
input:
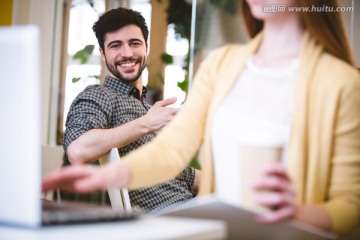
[(124, 88)]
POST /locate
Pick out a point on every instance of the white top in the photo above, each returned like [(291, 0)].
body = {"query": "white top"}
[(256, 112)]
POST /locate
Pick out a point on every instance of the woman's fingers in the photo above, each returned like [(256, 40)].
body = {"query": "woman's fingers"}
[(275, 192), (275, 169), (277, 215), (86, 178), (93, 182), (274, 200), (67, 178), (273, 183)]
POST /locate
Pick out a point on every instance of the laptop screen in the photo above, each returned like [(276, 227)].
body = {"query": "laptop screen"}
[(20, 169)]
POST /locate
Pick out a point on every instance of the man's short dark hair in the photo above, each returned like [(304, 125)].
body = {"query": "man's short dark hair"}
[(117, 18)]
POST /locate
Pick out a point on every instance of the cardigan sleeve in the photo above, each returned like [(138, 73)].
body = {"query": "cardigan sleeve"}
[(344, 190), (171, 151)]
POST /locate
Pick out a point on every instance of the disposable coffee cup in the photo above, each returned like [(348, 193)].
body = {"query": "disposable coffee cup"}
[(253, 160)]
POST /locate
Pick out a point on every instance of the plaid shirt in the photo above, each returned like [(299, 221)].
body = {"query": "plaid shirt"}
[(108, 106)]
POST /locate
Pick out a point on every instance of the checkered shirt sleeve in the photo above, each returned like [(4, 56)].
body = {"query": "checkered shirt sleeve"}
[(91, 109), (103, 107)]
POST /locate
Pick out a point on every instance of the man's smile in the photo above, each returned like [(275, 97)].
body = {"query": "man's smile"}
[(127, 64)]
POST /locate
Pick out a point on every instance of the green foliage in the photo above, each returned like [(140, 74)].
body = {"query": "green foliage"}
[(184, 84), (75, 79), (95, 76), (195, 163), (84, 54), (167, 58), (179, 14)]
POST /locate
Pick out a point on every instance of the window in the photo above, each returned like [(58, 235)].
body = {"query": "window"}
[(174, 73), (82, 16)]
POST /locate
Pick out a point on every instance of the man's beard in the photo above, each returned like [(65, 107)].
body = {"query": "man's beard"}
[(112, 68)]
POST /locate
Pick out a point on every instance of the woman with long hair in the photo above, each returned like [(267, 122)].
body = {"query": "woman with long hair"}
[(296, 75)]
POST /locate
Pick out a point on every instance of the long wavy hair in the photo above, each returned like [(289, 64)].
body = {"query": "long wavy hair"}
[(325, 26)]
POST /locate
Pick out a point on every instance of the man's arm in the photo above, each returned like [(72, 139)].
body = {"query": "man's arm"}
[(96, 142)]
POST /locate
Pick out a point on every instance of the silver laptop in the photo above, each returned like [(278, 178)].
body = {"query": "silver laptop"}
[(20, 143), (241, 223)]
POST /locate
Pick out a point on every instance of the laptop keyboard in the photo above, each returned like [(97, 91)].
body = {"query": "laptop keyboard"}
[(69, 212)]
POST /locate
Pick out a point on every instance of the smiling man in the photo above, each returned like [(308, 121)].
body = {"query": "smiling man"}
[(115, 114)]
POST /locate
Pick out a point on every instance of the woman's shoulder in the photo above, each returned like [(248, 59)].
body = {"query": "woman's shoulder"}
[(341, 65), (339, 72)]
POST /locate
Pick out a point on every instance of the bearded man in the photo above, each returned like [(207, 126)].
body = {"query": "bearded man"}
[(115, 114)]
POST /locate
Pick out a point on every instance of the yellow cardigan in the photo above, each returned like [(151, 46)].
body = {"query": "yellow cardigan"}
[(324, 148)]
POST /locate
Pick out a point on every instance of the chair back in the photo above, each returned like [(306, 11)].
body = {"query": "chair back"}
[(119, 198)]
